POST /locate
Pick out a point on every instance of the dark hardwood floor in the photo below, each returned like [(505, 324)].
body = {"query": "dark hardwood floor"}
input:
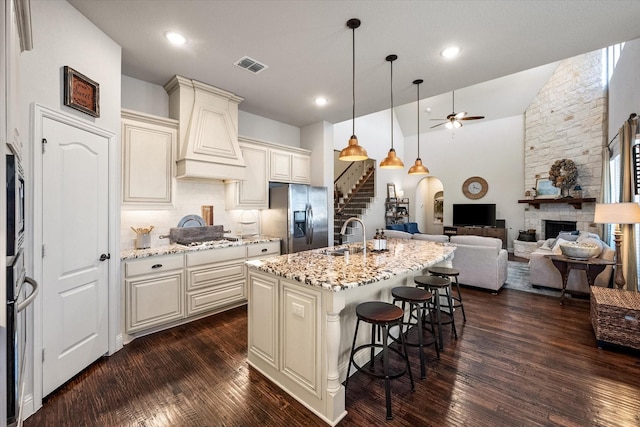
[(521, 359)]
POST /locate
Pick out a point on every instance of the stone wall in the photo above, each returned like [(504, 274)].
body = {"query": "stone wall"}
[(567, 119)]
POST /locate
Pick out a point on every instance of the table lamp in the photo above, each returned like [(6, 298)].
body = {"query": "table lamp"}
[(617, 213)]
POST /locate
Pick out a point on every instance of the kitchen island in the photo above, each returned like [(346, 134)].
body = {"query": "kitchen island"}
[(302, 313)]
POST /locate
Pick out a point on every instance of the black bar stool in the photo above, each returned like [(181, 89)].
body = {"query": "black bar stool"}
[(450, 273), (438, 284), (418, 300), (381, 315)]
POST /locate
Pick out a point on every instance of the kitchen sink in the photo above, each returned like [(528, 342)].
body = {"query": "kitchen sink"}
[(342, 251)]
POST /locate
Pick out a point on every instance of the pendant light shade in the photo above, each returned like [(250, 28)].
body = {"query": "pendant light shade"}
[(392, 161), (418, 168), (353, 152)]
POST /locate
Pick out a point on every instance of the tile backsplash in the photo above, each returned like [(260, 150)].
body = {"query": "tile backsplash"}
[(189, 198)]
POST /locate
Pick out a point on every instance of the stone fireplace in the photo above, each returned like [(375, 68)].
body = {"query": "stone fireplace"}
[(567, 120)]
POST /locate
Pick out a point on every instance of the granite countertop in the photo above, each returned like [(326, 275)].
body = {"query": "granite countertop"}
[(170, 249), (321, 269)]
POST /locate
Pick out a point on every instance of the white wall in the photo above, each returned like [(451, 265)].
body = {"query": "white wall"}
[(264, 129), (492, 149), (624, 87), (62, 36), (138, 95)]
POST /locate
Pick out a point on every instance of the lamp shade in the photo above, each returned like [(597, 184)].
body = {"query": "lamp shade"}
[(418, 168), (617, 213), (392, 161), (353, 152)]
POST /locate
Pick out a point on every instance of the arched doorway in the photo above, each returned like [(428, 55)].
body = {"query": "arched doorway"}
[(430, 205)]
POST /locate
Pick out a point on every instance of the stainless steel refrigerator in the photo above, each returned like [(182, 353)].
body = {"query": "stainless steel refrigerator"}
[(298, 215)]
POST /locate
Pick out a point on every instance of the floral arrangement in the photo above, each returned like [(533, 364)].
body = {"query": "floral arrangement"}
[(563, 173)]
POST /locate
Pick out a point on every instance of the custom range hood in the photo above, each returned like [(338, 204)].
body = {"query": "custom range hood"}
[(208, 118)]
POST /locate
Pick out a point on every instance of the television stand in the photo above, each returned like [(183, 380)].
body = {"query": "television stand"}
[(497, 232)]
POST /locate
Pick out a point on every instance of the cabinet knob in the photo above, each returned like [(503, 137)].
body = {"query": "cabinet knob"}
[(156, 266)]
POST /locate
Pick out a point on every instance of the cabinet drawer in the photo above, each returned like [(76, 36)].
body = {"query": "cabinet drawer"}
[(263, 249), (201, 277), (215, 255), (153, 265), (218, 296)]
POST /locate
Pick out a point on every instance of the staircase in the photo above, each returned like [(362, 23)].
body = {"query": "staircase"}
[(354, 203)]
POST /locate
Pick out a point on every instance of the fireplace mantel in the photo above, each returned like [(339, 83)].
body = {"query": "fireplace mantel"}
[(576, 203)]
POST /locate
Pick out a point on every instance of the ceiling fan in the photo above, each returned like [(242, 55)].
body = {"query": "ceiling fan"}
[(453, 120)]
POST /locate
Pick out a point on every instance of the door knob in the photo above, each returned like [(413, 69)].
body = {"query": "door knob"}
[(105, 257)]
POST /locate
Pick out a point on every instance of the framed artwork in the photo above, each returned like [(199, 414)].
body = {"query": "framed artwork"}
[(545, 190), (391, 191), (81, 93)]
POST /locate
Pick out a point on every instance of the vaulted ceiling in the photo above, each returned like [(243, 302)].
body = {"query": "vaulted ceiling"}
[(308, 50)]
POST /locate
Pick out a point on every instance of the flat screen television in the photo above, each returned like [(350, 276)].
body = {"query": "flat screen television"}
[(472, 214)]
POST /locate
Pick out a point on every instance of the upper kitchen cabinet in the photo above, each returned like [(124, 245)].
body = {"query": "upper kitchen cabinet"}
[(290, 165), (253, 191), (148, 147), (208, 146)]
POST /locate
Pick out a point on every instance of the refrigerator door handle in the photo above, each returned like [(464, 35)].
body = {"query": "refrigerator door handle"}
[(311, 223)]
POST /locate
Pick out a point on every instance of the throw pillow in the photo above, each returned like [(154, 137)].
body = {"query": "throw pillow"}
[(570, 236), (548, 244), (556, 247)]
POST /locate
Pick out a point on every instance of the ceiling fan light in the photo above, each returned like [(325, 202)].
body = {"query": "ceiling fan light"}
[(418, 168), (457, 124), (460, 115), (392, 161), (353, 152), (449, 125)]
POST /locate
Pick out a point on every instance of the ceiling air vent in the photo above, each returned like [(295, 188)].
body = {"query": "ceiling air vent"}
[(251, 65)]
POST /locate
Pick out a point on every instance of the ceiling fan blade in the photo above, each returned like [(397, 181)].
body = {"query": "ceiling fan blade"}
[(472, 118), (440, 119), (439, 124)]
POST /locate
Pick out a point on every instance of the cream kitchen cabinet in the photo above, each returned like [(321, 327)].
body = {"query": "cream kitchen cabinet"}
[(154, 291), (284, 324), (253, 192), (290, 166), (263, 250), (215, 279), (148, 147)]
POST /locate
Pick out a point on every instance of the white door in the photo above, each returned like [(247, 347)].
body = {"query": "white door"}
[(75, 233)]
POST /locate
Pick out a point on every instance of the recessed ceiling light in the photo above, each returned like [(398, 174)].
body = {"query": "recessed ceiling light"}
[(450, 52), (175, 38), (321, 100)]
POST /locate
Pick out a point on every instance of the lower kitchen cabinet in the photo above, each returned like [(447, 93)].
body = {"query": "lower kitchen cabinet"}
[(154, 292), (215, 279), (167, 290)]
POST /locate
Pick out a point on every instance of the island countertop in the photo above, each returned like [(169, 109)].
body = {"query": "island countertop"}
[(319, 268)]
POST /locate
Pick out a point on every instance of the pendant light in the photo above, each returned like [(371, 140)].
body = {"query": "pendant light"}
[(418, 168), (353, 152), (391, 161)]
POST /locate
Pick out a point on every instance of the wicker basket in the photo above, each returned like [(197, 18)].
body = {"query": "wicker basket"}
[(615, 316)]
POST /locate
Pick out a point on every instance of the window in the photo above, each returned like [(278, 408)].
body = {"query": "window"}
[(610, 56)]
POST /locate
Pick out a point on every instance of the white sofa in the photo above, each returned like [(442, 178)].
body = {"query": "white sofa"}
[(481, 261), (543, 273)]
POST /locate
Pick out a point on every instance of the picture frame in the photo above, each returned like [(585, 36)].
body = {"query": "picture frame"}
[(391, 191), (545, 190), (80, 92)]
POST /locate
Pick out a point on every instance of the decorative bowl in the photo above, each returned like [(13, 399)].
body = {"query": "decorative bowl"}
[(581, 251)]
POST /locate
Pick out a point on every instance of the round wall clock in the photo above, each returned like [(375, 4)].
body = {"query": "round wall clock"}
[(475, 187)]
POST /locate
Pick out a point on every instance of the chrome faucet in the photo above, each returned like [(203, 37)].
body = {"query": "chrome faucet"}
[(364, 232)]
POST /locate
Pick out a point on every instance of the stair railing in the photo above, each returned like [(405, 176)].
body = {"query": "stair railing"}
[(363, 181)]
